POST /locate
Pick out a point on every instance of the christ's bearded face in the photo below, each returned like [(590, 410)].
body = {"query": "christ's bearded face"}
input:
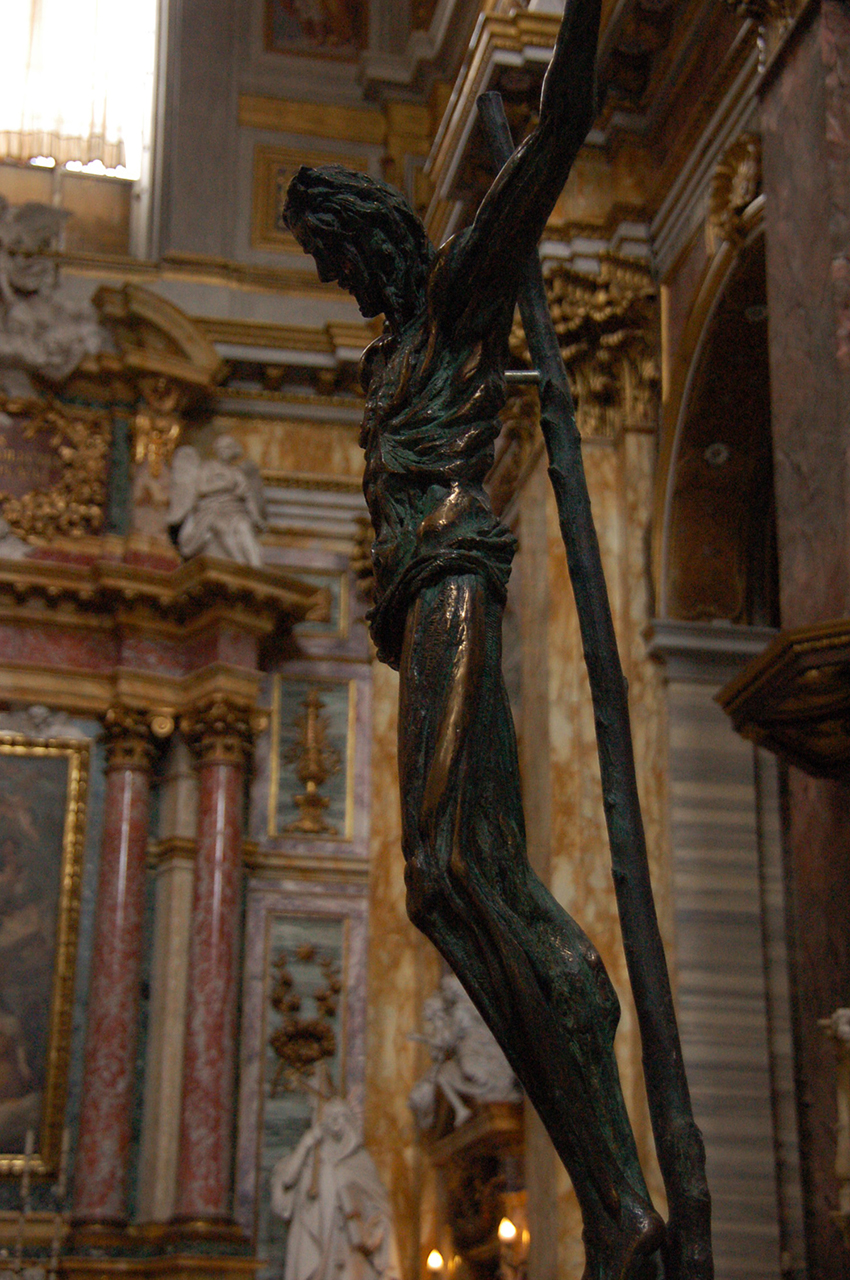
[(338, 258)]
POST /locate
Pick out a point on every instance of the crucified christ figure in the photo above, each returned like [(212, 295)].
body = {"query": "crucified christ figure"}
[(435, 384)]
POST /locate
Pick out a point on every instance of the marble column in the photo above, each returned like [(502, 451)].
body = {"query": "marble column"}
[(175, 871), (100, 1165), (220, 734), (806, 166)]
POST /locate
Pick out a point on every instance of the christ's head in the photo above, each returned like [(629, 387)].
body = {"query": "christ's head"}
[(364, 234)]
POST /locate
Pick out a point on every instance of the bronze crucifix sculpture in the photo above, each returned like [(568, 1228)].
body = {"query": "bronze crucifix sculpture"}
[(434, 384)]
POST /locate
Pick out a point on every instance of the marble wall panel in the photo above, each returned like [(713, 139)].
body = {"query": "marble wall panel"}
[(345, 693), (302, 925), (298, 446), (403, 970), (562, 790), (163, 1085), (722, 1000), (91, 650)]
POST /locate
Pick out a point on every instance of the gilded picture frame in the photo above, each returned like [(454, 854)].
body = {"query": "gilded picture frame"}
[(43, 789)]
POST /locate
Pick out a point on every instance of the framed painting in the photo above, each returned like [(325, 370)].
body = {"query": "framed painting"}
[(42, 831), (323, 28)]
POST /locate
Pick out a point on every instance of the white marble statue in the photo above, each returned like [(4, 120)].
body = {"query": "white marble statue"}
[(40, 331), (216, 505), (467, 1061), (329, 1192), (11, 546)]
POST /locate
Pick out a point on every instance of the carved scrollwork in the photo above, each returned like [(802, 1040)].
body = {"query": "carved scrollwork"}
[(607, 330), (70, 446), (735, 185), (220, 730)]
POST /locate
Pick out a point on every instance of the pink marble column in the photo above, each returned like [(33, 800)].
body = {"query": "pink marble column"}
[(220, 734), (100, 1164)]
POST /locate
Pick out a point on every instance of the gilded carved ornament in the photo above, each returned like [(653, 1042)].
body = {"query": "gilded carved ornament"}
[(303, 1046), (221, 730), (774, 19), (736, 183), (131, 733), (169, 360), (77, 454), (158, 422), (316, 760), (607, 330)]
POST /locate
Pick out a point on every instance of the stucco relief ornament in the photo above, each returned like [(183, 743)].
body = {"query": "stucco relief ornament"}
[(217, 505), (40, 332), (329, 1192), (467, 1061)]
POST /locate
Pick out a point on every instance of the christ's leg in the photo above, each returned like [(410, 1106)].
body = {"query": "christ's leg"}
[(536, 978)]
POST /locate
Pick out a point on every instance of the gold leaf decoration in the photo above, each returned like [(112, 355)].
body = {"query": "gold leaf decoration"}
[(80, 440)]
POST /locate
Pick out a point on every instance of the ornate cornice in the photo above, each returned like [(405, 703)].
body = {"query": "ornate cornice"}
[(221, 729), (112, 588), (794, 699)]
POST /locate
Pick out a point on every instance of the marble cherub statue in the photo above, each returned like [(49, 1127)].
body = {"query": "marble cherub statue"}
[(216, 505), (467, 1063)]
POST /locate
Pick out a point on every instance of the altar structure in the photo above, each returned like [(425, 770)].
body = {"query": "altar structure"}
[(201, 882)]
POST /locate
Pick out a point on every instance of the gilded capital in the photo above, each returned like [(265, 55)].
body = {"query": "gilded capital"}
[(220, 730), (735, 184), (130, 737)]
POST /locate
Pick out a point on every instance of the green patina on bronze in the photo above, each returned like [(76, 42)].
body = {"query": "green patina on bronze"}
[(434, 384)]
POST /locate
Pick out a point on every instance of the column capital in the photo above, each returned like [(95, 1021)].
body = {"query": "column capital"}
[(131, 734), (220, 729)]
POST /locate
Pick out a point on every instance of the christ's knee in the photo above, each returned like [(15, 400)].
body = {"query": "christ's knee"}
[(426, 886)]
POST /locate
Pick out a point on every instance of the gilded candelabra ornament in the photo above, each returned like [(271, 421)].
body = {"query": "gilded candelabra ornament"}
[(301, 1044), (316, 760), (435, 384)]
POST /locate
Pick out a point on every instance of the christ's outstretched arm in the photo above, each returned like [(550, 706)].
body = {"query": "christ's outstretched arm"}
[(485, 260)]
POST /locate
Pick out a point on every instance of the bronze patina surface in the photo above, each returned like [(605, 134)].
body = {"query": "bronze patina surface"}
[(435, 383)]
